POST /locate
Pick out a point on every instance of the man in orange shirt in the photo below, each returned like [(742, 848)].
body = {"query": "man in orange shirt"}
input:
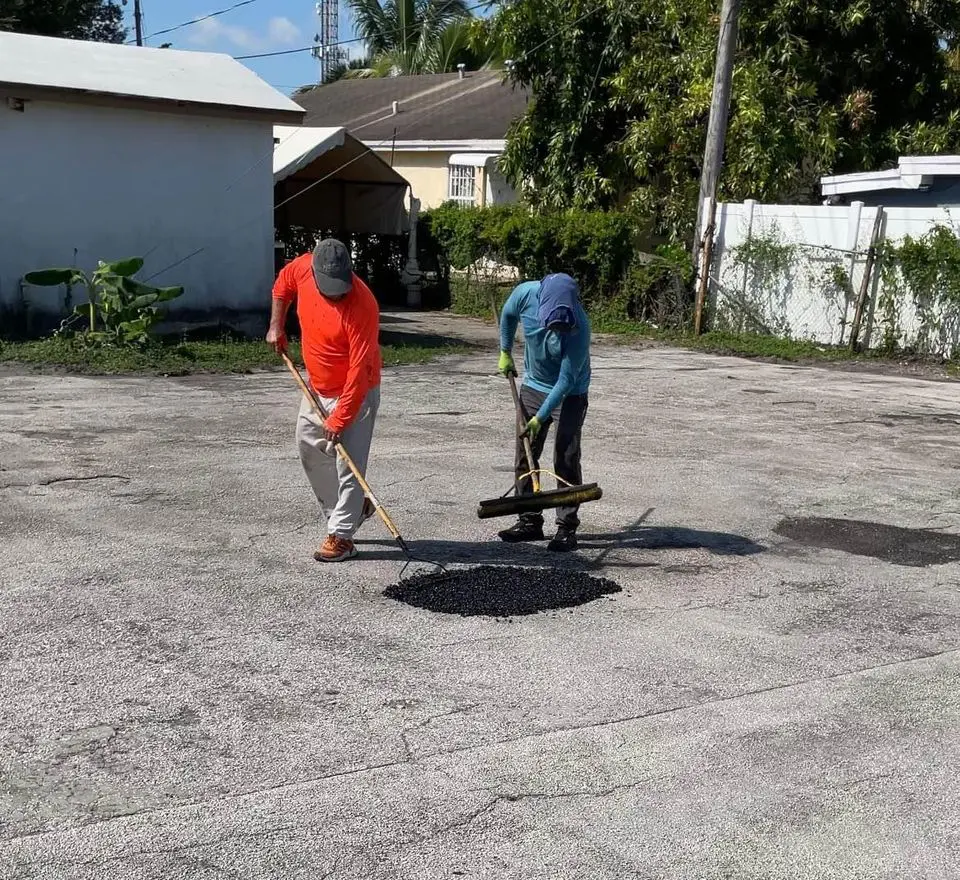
[(340, 338)]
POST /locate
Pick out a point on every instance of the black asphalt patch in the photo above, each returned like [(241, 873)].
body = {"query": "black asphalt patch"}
[(501, 591), (917, 548)]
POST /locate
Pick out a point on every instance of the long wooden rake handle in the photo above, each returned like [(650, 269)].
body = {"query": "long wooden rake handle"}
[(342, 452), (522, 427)]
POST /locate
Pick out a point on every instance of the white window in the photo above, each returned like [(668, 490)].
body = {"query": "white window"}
[(462, 184)]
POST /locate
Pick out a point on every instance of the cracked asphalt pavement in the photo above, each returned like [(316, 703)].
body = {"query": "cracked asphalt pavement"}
[(185, 693)]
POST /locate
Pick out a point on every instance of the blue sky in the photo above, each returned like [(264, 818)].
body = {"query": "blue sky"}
[(261, 26)]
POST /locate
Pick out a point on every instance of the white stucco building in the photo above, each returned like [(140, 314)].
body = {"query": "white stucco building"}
[(114, 151)]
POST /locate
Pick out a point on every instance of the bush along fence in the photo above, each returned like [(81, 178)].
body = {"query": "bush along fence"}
[(490, 249), (864, 277), (380, 261)]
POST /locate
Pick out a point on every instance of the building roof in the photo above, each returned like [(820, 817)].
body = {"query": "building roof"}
[(430, 108), (911, 173), (35, 67)]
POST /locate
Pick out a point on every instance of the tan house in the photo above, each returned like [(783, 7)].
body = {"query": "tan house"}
[(442, 132)]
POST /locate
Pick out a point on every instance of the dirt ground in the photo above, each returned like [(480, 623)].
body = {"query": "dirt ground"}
[(772, 693)]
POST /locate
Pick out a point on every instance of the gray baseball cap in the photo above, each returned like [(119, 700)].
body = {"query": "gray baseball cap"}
[(332, 268)]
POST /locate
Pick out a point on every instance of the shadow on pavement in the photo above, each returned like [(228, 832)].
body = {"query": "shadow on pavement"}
[(636, 537), (422, 340)]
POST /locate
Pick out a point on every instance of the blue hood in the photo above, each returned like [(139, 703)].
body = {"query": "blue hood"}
[(559, 295)]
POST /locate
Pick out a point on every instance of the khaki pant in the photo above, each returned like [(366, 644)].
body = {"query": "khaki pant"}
[(332, 481)]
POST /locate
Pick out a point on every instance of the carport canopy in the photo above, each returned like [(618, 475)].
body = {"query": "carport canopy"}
[(324, 178)]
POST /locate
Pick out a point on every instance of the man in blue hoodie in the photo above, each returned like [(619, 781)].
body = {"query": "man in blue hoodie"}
[(555, 384)]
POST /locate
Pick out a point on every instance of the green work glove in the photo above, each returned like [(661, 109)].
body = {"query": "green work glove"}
[(533, 428), (506, 367)]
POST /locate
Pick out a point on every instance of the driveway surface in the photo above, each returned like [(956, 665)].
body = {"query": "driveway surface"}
[(774, 693)]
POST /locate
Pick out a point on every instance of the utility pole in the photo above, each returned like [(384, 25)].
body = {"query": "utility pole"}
[(719, 110), (138, 21), (713, 152)]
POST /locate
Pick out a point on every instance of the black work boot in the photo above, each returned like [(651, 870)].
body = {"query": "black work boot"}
[(523, 531), (564, 541)]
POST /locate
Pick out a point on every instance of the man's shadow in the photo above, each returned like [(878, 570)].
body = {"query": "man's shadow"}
[(641, 540)]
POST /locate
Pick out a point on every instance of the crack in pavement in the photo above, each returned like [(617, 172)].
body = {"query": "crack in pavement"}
[(518, 797), (459, 750), (53, 480)]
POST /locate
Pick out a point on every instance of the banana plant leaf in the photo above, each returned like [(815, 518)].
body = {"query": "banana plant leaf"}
[(163, 294), (123, 268), (55, 277)]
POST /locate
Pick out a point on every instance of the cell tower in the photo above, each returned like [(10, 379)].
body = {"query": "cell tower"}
[(326, 50)]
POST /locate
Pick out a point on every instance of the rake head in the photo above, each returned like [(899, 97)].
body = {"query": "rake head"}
[(416, 567), (568, 496)]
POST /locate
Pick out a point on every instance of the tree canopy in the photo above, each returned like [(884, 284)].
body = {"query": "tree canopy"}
[(420, 36), (621, 97), (100, 20)]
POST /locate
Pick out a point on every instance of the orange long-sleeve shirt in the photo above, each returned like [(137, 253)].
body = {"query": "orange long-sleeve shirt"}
[(340, 338)]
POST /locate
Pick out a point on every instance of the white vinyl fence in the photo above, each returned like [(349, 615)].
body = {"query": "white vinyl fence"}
[(796, 271)]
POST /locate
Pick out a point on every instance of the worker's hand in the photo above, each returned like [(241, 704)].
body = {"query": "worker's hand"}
[(533, 428), (330, 435), (506, 367), (277, 340)]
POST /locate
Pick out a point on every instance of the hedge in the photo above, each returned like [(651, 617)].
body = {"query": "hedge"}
[(604, 251)]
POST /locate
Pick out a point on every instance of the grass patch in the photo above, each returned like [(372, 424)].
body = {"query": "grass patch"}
[(757, 346), (183, 358)]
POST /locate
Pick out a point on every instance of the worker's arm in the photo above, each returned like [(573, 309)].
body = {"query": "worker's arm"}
[(510, 314), (576, 352), (284, 293), (362, 328)]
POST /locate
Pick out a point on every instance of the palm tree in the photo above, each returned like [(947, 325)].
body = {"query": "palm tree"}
[(416, 36)]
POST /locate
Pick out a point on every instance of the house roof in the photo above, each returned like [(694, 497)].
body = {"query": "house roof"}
[(34, 67), (430, 108), (911, 173)]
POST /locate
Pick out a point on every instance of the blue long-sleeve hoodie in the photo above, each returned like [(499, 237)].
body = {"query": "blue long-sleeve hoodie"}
[(557, 364)]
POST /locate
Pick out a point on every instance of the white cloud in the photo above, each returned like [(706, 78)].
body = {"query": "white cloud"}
[(212, 30), (280, 32)]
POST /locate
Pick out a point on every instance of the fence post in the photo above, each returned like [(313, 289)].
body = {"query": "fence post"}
[(865, 283), (854, 215), (706, 258)]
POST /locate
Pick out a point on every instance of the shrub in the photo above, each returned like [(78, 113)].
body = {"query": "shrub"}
[(602, 250)]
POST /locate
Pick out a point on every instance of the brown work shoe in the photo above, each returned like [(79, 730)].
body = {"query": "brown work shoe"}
[(335, 549)]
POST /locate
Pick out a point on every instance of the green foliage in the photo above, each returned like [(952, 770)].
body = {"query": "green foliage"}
[(100, 20), (928, 269), (594, 247), (602, 250), (182, 357), (420, 36), (621, 97), (120, 310)]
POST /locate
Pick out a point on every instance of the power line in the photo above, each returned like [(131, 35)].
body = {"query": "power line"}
[(178, 27)]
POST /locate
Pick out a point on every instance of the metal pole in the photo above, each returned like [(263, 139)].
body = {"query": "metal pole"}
[(138, 21), (719, 111)]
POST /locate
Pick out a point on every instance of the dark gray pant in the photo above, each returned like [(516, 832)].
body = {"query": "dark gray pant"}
[(566, 455)]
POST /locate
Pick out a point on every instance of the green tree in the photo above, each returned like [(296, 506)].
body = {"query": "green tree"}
[(421, 36), (621, 97), (100, 20)]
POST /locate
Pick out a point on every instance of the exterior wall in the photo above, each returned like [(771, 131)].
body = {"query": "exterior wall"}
[(425, 171), (428, 174), (794, 294), (85, 183), (943, 193)]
